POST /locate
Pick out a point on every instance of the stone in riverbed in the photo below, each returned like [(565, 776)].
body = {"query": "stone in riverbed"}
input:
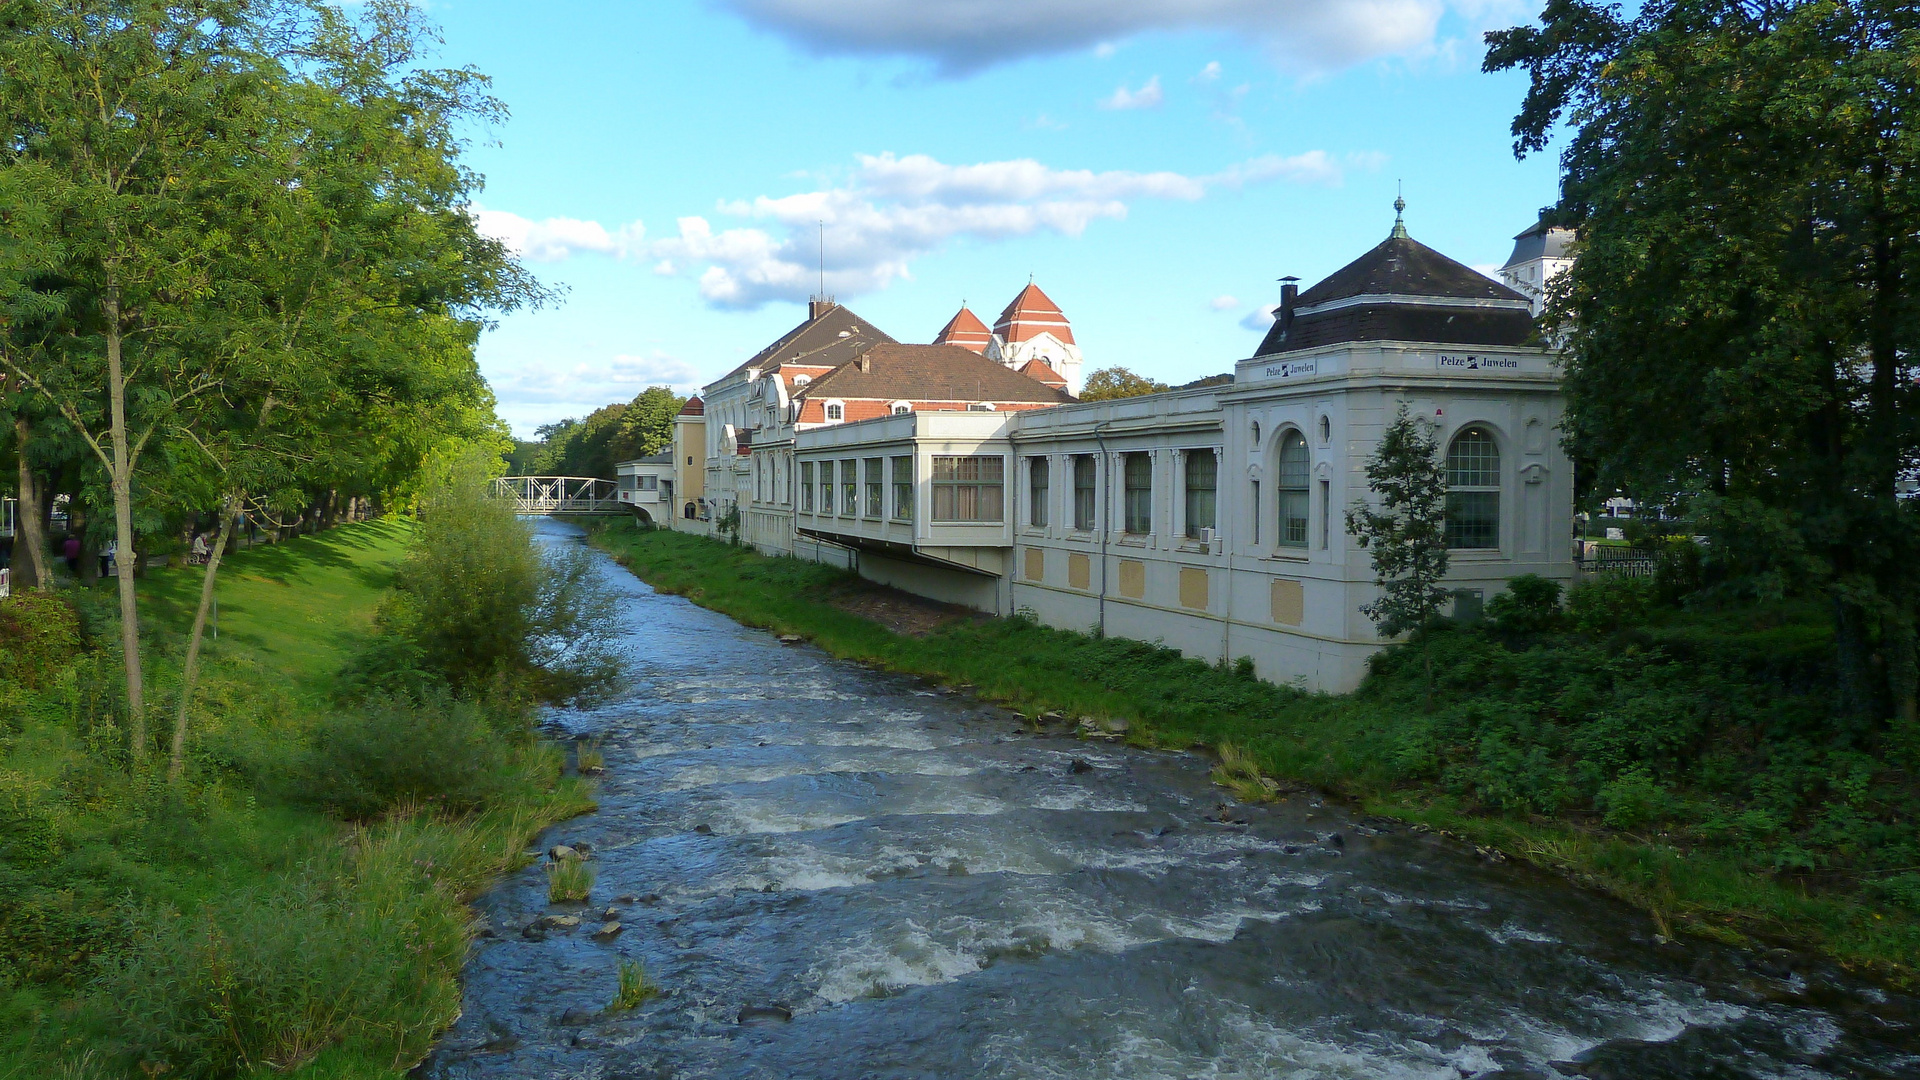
[(576, 1017), (765, 1014), (607, 932), (1080, 765), (556, 922), (789, 639), (565, 853), (703, 830)]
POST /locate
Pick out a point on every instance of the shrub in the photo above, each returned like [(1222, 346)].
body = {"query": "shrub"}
[(1531, 605), (39, 636), (1609, 602), (635, 987), (388, 752), (568, 880)]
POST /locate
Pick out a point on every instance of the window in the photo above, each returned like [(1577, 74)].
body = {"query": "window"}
[(1326, 511), (1326, 431), (826, 487), (901, 408), (980, 406), (1473, 490), (849, 488), (968, 488), (1256, 434), (874, 484), (649, 483), (1137, 475), (1203, 478), (1291, 491), (1083, 491), (1256, 511), (836, 411), (806, 485), (627, 481), (1038, 469), (903, 488)]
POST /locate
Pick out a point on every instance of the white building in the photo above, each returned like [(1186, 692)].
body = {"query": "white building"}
[(1031, 336), (1540, 254), (1211, 519), (646, 486)]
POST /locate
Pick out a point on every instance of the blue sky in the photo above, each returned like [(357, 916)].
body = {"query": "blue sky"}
[(1155, 164)]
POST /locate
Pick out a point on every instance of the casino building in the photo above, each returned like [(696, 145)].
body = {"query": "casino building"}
[(1210, 519)]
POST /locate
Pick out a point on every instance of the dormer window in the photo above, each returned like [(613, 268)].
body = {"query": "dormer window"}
[(900, 408), (801, 380), (980, 406), (836, 412)]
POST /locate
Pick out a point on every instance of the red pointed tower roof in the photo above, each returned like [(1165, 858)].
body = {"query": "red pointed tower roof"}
[(1030, 315), (965, 330), (693, 407)]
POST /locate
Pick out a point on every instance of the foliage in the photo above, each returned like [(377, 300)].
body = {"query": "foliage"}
[(1406, 535), (1117, 382), (385, 753), (569, 880), (477, 602), (1530, 605), (39, 635), (608, 436), (1740, 321), (636, 988)]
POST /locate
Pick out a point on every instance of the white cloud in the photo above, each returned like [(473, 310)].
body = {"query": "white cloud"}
[(1209, 73), (892, 210), (1260, 318), (592, 384), (554, 239), (1149, 96), (962, 36), (1224, 303)]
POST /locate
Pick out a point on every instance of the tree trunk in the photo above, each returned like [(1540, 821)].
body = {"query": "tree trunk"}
[(190, 672), (1853, 652), (121, 476), (29, 533)]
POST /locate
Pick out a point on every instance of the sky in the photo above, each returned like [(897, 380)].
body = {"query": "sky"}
[(1154, 165)]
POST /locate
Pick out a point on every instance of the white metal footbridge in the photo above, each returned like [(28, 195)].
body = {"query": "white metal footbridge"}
[(560, 494)]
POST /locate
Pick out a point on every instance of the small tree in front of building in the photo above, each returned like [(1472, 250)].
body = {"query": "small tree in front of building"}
[(1118, 382), (1406, 534)]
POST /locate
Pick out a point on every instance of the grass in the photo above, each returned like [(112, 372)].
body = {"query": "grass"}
[(635, 987), (589, 758), (569, 880), (228, 926), (1356, 746)]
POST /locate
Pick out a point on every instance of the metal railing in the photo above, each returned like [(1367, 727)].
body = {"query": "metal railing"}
[(560, 494), (1592, 558)]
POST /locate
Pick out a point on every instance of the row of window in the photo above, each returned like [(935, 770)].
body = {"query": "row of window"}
[(973, 489)]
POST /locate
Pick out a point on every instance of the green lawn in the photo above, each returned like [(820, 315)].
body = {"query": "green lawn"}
[(1464, 732)]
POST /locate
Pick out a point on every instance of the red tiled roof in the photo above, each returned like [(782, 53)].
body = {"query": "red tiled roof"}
[(965, 330), (1040, 371), (1030, 315), (929, 373), (694, 407)]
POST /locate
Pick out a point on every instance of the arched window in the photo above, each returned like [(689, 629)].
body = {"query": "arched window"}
[(1256, 434), (1291, 490), (836, 411), (1473, 490), (1326, 431)]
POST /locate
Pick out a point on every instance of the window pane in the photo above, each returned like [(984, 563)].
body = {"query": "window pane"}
[(1293, 518), (903, 488), (1295, 463), (806, 485), (1203, 471), (1139, 493), (1473, 460), (1083, 492), (875, 484), (1473, 519), (1038, 470)]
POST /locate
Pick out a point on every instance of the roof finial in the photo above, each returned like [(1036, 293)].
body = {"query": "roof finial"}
[(1399, 214)]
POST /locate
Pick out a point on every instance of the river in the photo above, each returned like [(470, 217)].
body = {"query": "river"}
[(834, 872)]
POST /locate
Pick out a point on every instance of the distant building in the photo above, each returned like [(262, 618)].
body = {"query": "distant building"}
[(1539, 255), (646, 486), (689, 460)]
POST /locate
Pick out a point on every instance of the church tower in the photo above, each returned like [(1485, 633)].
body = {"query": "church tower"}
[(1033, 336), (1539, 254)]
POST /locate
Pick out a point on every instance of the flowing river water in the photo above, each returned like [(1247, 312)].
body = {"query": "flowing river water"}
[(833, 872)]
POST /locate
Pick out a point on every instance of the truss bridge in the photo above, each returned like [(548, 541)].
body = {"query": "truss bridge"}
[(560, 494)]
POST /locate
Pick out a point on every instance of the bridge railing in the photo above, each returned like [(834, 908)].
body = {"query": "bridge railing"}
[(560, 494)]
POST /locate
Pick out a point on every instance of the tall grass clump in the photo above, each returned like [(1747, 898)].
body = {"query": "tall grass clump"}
[(636, 988), (569, 880), (480, 606)]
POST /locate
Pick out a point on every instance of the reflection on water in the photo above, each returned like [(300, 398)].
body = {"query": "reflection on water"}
[(905, 884)]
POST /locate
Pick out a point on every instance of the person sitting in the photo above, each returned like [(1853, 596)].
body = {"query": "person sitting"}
[(198, 557)]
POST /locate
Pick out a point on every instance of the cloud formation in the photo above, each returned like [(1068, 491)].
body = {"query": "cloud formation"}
[(1149, 96), (889, 211), (1260, 318), (894, 209), (554, 239), (1224, 303), (963, 36)]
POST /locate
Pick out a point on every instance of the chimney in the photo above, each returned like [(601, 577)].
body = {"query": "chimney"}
[(1289, 289), (866, 364), (819, 304)]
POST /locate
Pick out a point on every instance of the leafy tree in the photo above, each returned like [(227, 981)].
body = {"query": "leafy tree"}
[(1407, 534), (1117, 382), (646, 428), (608, 436), (1742, 317)]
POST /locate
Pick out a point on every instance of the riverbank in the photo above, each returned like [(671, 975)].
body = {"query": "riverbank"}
[(1386, 748), (246, 921)]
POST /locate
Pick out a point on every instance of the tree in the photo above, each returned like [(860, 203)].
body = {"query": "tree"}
[(1117, 382), (1407, 534), (1741, 319), (646, 428)]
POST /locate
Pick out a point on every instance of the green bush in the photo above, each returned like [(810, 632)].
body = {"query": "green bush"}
[(1531, 605), (479, 605), (383, 753), (39, 635), (1610, 602)]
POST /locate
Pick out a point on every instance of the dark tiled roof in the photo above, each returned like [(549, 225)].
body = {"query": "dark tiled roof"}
[(664, 457), (929, 373), (816, 339), (693, 407), (1401, 266), (1541, 241), (1473, 309)]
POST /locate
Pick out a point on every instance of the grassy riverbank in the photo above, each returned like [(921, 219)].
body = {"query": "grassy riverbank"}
[(1653, 761), (278, 911)]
